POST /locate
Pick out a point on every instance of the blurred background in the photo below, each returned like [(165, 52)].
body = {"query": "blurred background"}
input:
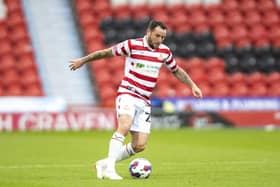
[(231, 49)]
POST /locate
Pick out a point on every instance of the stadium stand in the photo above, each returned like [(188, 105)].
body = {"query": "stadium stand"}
[(18, 69), (230, 47)]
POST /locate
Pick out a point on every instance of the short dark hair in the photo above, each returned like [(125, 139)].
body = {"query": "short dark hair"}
[(153, 24)]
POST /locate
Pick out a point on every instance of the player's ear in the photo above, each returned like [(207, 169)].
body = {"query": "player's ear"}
[(148, 32)]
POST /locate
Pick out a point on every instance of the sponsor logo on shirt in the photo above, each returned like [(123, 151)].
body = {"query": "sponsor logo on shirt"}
[(147, 68)]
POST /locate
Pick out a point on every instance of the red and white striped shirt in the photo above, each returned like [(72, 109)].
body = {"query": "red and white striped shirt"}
[(142, 66)]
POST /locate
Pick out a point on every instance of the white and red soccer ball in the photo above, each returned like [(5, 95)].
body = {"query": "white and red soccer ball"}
[(140, 168)]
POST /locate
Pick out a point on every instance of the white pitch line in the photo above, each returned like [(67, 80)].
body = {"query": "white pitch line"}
[(32, 166), (232, 162)]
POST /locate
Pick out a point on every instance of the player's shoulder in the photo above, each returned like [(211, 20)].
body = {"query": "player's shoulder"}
[(137, 40), (164, 48)]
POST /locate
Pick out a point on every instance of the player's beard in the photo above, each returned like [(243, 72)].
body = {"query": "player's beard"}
[(151, 44)]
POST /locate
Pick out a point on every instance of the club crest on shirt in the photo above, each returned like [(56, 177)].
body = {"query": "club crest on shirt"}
[(162, 57)]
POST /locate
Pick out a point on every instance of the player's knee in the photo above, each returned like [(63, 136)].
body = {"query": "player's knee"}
[(139, 147)]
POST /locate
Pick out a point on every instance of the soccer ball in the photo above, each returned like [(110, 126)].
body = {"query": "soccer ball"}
[(140, 168)]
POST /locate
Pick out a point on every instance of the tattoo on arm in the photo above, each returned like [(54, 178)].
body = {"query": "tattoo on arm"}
[(105, 53), (183, 77)]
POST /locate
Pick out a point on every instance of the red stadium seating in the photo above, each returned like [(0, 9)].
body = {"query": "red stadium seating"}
[(245, 30), (141, 11), (17, 64), (258, 89), (220, 89), (273, 78), (240, 89)]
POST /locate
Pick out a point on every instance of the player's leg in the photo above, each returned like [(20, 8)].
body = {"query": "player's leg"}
[(137, 144), (125, 112), (140, 130), (116, 142), (139, 141)]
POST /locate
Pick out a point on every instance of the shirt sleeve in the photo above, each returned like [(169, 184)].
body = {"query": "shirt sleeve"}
[(122, 48), (171, 63)]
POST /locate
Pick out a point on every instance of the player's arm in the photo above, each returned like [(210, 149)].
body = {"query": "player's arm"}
[(77, 63), (186, 79)]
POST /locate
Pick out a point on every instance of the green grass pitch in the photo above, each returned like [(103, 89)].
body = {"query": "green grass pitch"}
[(186, 157)]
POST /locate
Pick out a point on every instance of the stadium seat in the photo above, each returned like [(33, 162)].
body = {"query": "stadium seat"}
[(26, 62), (248, 5), (15, 18), (13, 6), (258, 89), (87, 20), (255, 77), (233, 18), (274, 90), (30, 76), (121, 12), (199, 75), (230, 6), (216, 18), (14, 90), (3, 33), (266, 64), (253, 17), (215, 63), (236, 78), (92, 34), (273, 78), (239, 89), (195, 63), (220, 89), (174, 8), (270, 18), (83, 6), (140, 11), (33, 90), (198, 19), (248, 64), (102, 9), (5, 47), (19, 32), (163, 78), (274, 32), (183, 91), (165, 90), (10, 77), (102, 77), (232, 64), (180, 18), (239, 32), (21, 48), (216, 76), (8, 62), (93, 46), (107, 91), (1, 90), (257, 32), (266, 6)]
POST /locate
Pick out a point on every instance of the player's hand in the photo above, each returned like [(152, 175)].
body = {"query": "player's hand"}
[(75, 64), (196, 92)]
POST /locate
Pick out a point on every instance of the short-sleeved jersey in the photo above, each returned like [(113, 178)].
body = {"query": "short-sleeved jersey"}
[(142, 66)]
